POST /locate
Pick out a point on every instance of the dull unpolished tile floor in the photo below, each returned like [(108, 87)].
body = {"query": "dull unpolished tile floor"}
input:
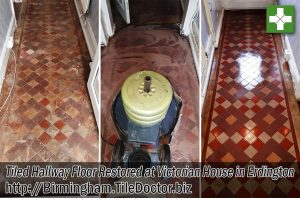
[(50, 117), (161, 49)]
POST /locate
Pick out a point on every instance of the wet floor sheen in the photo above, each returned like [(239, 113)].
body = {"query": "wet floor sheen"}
[(250, 118)]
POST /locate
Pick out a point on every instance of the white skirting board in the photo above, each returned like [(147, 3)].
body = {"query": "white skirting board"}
[(87, 30), (207, 77), (219, 28), (6, 51), (195, 52), (211, 58), (295, 73)]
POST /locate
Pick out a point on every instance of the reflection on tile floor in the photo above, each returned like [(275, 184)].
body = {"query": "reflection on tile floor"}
[(250, 120), (160, 49), (50, 117), (251, 100)]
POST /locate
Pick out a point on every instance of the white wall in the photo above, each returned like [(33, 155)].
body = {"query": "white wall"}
[(7, 27), (245, 4), (293, 46)]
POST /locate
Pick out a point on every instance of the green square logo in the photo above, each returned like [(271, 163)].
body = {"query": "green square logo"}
[(280, 19)]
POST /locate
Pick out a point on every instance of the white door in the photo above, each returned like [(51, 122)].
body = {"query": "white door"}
[(123, 8), (189, 12), (194, 40), (207, 46), (249, 4), (94, 86), (207, 28), (107, 24)]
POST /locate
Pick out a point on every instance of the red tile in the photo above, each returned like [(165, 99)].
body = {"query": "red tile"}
[(243, 109), (216, 132), (220, 109), (45, 138), (44, 124), (243, 144), (243, 99), (220, 100), (286, 144), (242, 192), (45, 101), (280, 108), (59, 124), (214, 145), (255, 99), (244, 131), (258, 144), (256, 131), (259, 192), (278, 98), (256, 108), (284, 131), (60, 137), (222, 83)]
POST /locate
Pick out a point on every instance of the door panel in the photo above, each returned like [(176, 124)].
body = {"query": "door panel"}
[(94, 86), (107, 23), (194, 38), (85, 5), (123, 8), (207, 45), (189, 13)]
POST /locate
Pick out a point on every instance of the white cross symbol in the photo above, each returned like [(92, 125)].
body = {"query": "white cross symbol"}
[(280, 19)]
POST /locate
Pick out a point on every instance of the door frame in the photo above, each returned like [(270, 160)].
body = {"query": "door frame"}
[(106, 15), (207, 53), (123, 8), (86, 27), (185, 26)]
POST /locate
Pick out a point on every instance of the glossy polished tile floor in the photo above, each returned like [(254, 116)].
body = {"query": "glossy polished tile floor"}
[(50, 117), (250, 119), (161, 49), (245, 41)]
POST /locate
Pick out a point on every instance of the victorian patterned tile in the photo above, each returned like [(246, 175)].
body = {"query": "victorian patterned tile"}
[(161, 49), (249, 76), (250, 118), (50, 106)]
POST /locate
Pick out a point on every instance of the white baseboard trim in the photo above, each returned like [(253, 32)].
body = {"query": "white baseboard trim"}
[(295, 73), (6, 51), (195, 52), (219, 28), (87, 30), (207, 77)]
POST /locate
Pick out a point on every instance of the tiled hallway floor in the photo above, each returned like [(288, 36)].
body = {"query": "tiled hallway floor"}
[(160, 49), (50, 117), (250, 118)]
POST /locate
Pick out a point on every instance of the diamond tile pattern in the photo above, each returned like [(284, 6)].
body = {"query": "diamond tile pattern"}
[(50, 118), (250, 118), (254, 187), (249, 78)]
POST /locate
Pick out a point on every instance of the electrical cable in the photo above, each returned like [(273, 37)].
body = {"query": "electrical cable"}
[(9, 96)]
